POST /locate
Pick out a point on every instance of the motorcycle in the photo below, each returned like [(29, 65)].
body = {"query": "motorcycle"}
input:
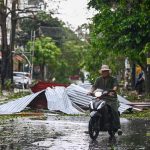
[(101, 118)]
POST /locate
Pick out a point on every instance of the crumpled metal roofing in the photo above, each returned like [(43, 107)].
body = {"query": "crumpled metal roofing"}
[(86, 85), (79, 95), (17, 105), (58, 99)]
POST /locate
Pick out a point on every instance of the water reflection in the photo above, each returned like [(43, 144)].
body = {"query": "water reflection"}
[(135, 137), (68, 133), (21, 133)]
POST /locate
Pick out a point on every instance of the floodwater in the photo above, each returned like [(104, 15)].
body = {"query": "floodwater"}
[(55, 132)]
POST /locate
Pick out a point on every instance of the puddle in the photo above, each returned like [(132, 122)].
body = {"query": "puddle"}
[(68, 133)]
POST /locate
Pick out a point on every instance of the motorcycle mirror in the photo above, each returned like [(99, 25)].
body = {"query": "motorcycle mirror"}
[(98, 94)]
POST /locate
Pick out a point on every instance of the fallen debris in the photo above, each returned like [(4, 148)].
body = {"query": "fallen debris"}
[(72, 99), (140, 105), (55, 99), (79, 96)]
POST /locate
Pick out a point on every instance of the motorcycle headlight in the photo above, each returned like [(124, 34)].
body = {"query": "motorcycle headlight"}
[(98, 94)]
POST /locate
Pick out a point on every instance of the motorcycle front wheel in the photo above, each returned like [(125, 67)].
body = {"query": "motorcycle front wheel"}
[(111, 133), (93, 129)]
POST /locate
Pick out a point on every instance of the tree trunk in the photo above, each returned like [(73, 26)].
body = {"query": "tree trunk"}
[(7, 63), (42, 66), (5, 51), (12, 39)]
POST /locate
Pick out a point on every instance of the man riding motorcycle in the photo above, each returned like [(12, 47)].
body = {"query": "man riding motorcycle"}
[(107, 82)]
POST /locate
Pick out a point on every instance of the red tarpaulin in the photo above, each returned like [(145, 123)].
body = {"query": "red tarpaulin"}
[(41, 85)]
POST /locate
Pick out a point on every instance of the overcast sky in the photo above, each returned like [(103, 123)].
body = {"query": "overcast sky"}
[(74, 12)]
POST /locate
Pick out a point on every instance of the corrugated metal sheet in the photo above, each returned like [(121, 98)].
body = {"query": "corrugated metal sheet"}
[(86, 85), (17, 105), (58, 99), (123, 100), (79, 96), (123, 107)]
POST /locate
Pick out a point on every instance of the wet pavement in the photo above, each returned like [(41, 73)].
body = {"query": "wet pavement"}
[(69, 133)]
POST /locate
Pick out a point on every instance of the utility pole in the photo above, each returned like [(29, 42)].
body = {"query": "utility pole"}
[(32, 52)]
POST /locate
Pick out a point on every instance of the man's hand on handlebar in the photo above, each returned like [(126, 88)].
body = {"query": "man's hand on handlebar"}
[(112, 93)]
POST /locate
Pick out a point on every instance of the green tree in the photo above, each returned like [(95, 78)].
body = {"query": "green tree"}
[(45, 54), (121, 27), (45, 21), (70, 61), (9, 10)]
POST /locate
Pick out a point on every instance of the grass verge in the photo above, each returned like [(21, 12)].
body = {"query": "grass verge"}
[(145, 114)]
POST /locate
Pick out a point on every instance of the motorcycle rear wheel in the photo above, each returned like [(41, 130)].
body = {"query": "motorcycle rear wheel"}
[(93, 129)]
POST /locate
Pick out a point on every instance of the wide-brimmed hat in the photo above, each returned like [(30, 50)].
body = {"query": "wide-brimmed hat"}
[(105, 68)]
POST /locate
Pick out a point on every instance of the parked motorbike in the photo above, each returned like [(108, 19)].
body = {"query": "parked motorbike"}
[(101, 118)]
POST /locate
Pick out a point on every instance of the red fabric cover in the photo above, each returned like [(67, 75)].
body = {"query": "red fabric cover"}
[(41, 85)]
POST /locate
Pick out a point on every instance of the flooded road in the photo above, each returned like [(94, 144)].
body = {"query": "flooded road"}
[(70, 133)]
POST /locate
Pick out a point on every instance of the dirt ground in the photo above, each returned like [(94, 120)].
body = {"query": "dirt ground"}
[(56, 132)]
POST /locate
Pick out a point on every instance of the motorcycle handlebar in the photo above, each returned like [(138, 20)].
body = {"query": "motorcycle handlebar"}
[(105, 93)]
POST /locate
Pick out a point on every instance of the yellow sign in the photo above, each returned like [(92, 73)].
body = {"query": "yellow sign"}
[(148, 61)]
